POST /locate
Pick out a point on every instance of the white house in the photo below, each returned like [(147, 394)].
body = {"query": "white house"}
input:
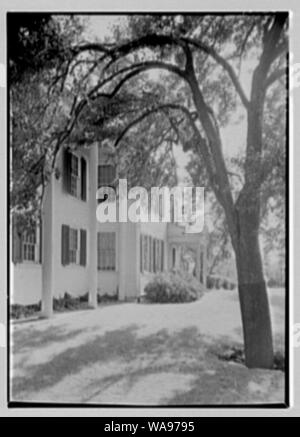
[(72, 252)]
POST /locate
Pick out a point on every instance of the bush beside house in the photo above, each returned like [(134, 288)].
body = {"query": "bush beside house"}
[(173, 287), (67, 302)]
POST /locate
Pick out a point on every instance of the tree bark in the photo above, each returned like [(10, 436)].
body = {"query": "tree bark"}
[(252, 289)]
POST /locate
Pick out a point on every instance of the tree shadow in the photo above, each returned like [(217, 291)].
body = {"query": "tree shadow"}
[(184, 352), (33, 338), (123, 345)]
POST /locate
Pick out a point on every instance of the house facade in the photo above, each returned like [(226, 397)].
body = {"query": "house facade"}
[(71, 251)]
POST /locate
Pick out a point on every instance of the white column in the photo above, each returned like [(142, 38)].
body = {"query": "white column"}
[(48, 243), (204, 265), (92, 258), (205, 260), (123, 254), (198, 262), (138, 259)]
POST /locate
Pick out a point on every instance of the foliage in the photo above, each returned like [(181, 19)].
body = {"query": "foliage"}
[(237, 355), (18, 311), (173, 287), (67, 302), (38, 105), (36, 42), (217, 282)]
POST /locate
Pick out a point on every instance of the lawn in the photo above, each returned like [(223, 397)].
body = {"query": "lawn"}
[(143, 354)]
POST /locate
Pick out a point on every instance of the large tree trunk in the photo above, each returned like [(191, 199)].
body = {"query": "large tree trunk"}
[(253, 296)]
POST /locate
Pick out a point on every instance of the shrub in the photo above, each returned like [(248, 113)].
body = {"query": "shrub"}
[(18, 311), (173, 287), (218, 282), (61, 303), (69, 302), (237, 354)]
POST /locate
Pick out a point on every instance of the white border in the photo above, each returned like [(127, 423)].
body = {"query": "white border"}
[(294, 185)]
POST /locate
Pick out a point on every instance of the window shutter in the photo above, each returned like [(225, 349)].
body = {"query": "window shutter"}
[(150, 255), (67, 157), (65, 240), (157, 259), (82, 247), (162, 256), (83, 179), (16, 243), (141, 254), (145, 252), (154, 256)]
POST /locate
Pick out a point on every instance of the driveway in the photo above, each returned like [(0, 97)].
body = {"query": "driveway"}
[(143, 354)]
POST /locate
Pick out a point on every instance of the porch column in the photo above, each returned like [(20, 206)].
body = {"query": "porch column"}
[(204, 265), (92, 259), (198, 263), (123, 254), (48, 244)]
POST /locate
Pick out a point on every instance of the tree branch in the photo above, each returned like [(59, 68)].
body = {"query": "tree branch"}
[(154, 40), (277, 74), (225, 64), (160, 108), (201, 142)]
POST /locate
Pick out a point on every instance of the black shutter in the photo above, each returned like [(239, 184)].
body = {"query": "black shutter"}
[(82, 247), (83, 179), (162, 256), (67, 157), (65, 244), (141, 254), (150, 254), (154, 255)]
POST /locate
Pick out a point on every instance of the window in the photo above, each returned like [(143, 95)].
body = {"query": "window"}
[(73, 247), (106, 251), (29, 245), (106, 175), (26, 243), (152, 254)]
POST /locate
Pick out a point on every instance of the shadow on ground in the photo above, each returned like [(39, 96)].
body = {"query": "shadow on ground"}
[(121, 366)]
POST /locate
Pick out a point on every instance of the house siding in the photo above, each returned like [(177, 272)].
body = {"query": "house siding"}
[(73, 212)]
